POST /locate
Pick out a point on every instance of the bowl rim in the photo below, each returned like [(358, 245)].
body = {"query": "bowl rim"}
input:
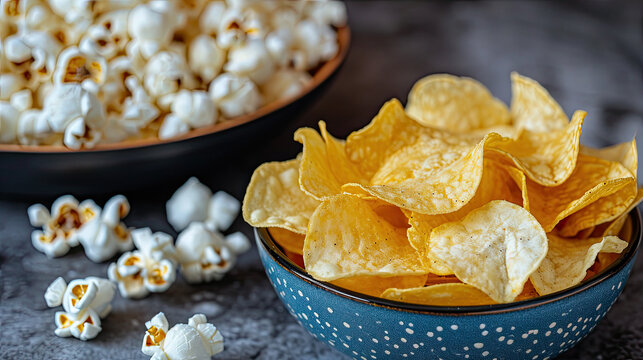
[(322, 74), (269, 245)]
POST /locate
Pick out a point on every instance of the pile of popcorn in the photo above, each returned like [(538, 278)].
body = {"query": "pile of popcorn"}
[(82, 72)]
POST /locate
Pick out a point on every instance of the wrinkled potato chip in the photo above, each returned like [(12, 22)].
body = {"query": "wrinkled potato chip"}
[(494, 248), (532, 108), (346, 238), (455, 103), (391, 130), (624, 153), (614, 205), (547, 158), (567, 261), (430, 191), (592, 179), (452, 294), (496, 184), (324, 165), (614, 227), (375, 285), (288, 240), (273, 198)]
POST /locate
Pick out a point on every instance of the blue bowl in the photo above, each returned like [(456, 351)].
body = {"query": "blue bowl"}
[(366, 327)]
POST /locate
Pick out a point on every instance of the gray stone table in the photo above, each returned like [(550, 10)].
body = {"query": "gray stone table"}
[(589, 55)]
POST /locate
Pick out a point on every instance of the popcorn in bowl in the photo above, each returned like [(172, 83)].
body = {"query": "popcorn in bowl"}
[(86, 73)]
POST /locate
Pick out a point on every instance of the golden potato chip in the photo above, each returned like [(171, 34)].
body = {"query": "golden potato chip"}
[(455, 103), (532, 108), (603, 210), (324, 165), (346, 237), (609, 207), (546, 158), (452, 294), (494, 248), (288, 240), (375, 285), (391, 130), (567, 261), (437, 191), (614, 227), (496, 184), (273, 198), (592, 179), (624, 153)]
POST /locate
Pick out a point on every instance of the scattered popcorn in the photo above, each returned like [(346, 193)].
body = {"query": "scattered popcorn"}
[(104, 236), (196, 340), (109, 71), (100, 232), (204, 254), (60, 227), (238, 242), (151, 268), (194, 202), (84, 301)]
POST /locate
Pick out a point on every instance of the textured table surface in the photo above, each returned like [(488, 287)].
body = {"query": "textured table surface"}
[(590, 57)]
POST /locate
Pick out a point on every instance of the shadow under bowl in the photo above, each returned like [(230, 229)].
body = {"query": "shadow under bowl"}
[(134, 164), (366, 327)]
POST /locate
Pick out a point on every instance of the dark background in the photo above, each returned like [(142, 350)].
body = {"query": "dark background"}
[(589, 55)]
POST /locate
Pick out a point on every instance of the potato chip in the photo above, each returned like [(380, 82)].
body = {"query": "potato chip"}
[(603, 210), (494, 248), (432, 190), (273, 198), (567, 261), (546, 158), (454, 294), (592, 179), (609, 207), (455, 103), (496, 184), (375, 285), (433, 279), (532, 108), (624, 153), (324, 165), (614, 227), (346, 237), (288, 240), (391, 130)]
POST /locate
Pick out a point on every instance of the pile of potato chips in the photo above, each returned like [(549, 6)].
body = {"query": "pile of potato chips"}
[(455, 200)]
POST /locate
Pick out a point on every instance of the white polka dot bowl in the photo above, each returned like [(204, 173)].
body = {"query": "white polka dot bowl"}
[(365, 327)]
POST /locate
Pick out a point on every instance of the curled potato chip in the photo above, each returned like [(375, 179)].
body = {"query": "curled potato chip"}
[(451, 294), (547, 158), (391, 130), (496, 184), (532, 108), (455, 103), (624, 153), (375, 285), (288, 240), (324, 165), (614, 227), (273, 198), (592, 179), (437, 189), (567, 261), (611, 206), (494, 248), (346, 238)]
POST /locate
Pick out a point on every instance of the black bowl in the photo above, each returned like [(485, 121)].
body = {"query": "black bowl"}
[(129, 165)]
